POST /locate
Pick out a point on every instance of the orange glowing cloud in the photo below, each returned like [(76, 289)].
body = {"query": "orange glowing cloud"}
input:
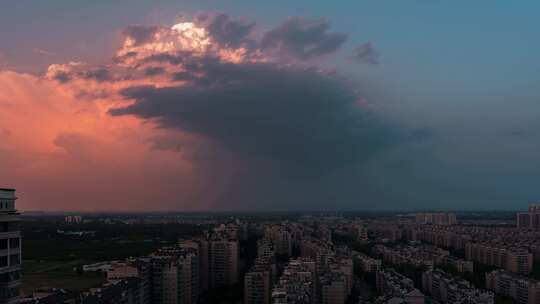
[(149, 130), (57, 133), (68, 153)]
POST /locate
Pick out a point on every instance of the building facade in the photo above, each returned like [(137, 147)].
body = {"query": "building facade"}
[(10, 248), (521, 289), (529, 219), (445, 288), (258, 283)]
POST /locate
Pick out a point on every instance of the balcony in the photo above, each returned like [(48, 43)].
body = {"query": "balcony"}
[(10, 268)]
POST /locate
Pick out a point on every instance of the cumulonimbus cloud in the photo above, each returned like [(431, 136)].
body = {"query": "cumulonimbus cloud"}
[(294, 115), (211, 98), (227, 31), (303, 38), (365, 53)]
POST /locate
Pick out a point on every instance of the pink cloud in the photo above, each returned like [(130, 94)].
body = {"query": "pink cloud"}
[(63, 150)]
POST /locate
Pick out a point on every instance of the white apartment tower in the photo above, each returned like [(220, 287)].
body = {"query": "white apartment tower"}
[(10, 248)]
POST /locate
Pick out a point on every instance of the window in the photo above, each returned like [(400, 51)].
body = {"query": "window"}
[(3, 261), (3, 244), (10, 276), (13, 226), (8, 293), (14, 243), (14, 259)]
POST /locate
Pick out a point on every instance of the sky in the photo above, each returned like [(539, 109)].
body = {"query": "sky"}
[(269, 105)]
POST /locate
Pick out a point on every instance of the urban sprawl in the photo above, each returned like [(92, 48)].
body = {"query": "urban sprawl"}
[(412, 258)]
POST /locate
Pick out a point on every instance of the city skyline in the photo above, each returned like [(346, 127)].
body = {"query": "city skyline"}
[(239, 106)]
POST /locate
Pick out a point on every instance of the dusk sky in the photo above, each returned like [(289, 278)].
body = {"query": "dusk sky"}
[(270, 105)]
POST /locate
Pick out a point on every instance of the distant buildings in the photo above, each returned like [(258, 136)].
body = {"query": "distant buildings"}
[(445, 288), (521, 289), (10, 248), (218, 257), (396, 288), (281, 238), (333, 288), (296, 285), (175, 276), (259, 281), (514, 259), (529, 219), (324, 275), (223, 262), (73, 219), (171, 275), (439, 218), (126, 291), (421, 255), (366, 263)]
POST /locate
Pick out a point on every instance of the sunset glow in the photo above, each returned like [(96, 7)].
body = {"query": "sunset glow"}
[(192, 106)]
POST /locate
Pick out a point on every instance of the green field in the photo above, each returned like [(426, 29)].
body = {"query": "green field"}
[(50, 258), (58, 274)]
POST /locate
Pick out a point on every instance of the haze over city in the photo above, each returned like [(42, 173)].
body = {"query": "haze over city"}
[(269, 105)]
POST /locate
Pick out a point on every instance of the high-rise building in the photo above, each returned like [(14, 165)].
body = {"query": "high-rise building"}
[(333, 288), (139, 269), (175, 277), (223, 262), (396, 288), (218, 258), (258, 282), (265, 248), (521, 289), (10, 248), (366, 263), (446, 288), (529, 219), (514, 259), (439, 218), (73, 219), (281, 238), (296, 284), (204, 263)]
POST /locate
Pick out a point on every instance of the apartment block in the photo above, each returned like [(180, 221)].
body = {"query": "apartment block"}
[(445, 288), (394, 287), (258, 282), (10, 248), (521, 289), (514, 259)]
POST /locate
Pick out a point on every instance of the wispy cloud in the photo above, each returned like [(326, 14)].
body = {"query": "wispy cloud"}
[(366, 53), (43, 52)]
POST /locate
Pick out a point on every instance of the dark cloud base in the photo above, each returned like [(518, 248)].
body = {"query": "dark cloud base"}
[(295, 116)]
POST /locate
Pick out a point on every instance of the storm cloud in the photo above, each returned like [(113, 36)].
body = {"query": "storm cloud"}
[(303, 38), (299, 117), (140, 33), (366, 53), (227, 31)]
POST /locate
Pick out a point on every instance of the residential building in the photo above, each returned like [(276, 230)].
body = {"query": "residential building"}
[(296, 285), (10, 248), (521, 289), (514, 259), (396, 288), (529, 219), (258, 282), (366, 263), (175, 277), (439, 218), (445, 288)]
